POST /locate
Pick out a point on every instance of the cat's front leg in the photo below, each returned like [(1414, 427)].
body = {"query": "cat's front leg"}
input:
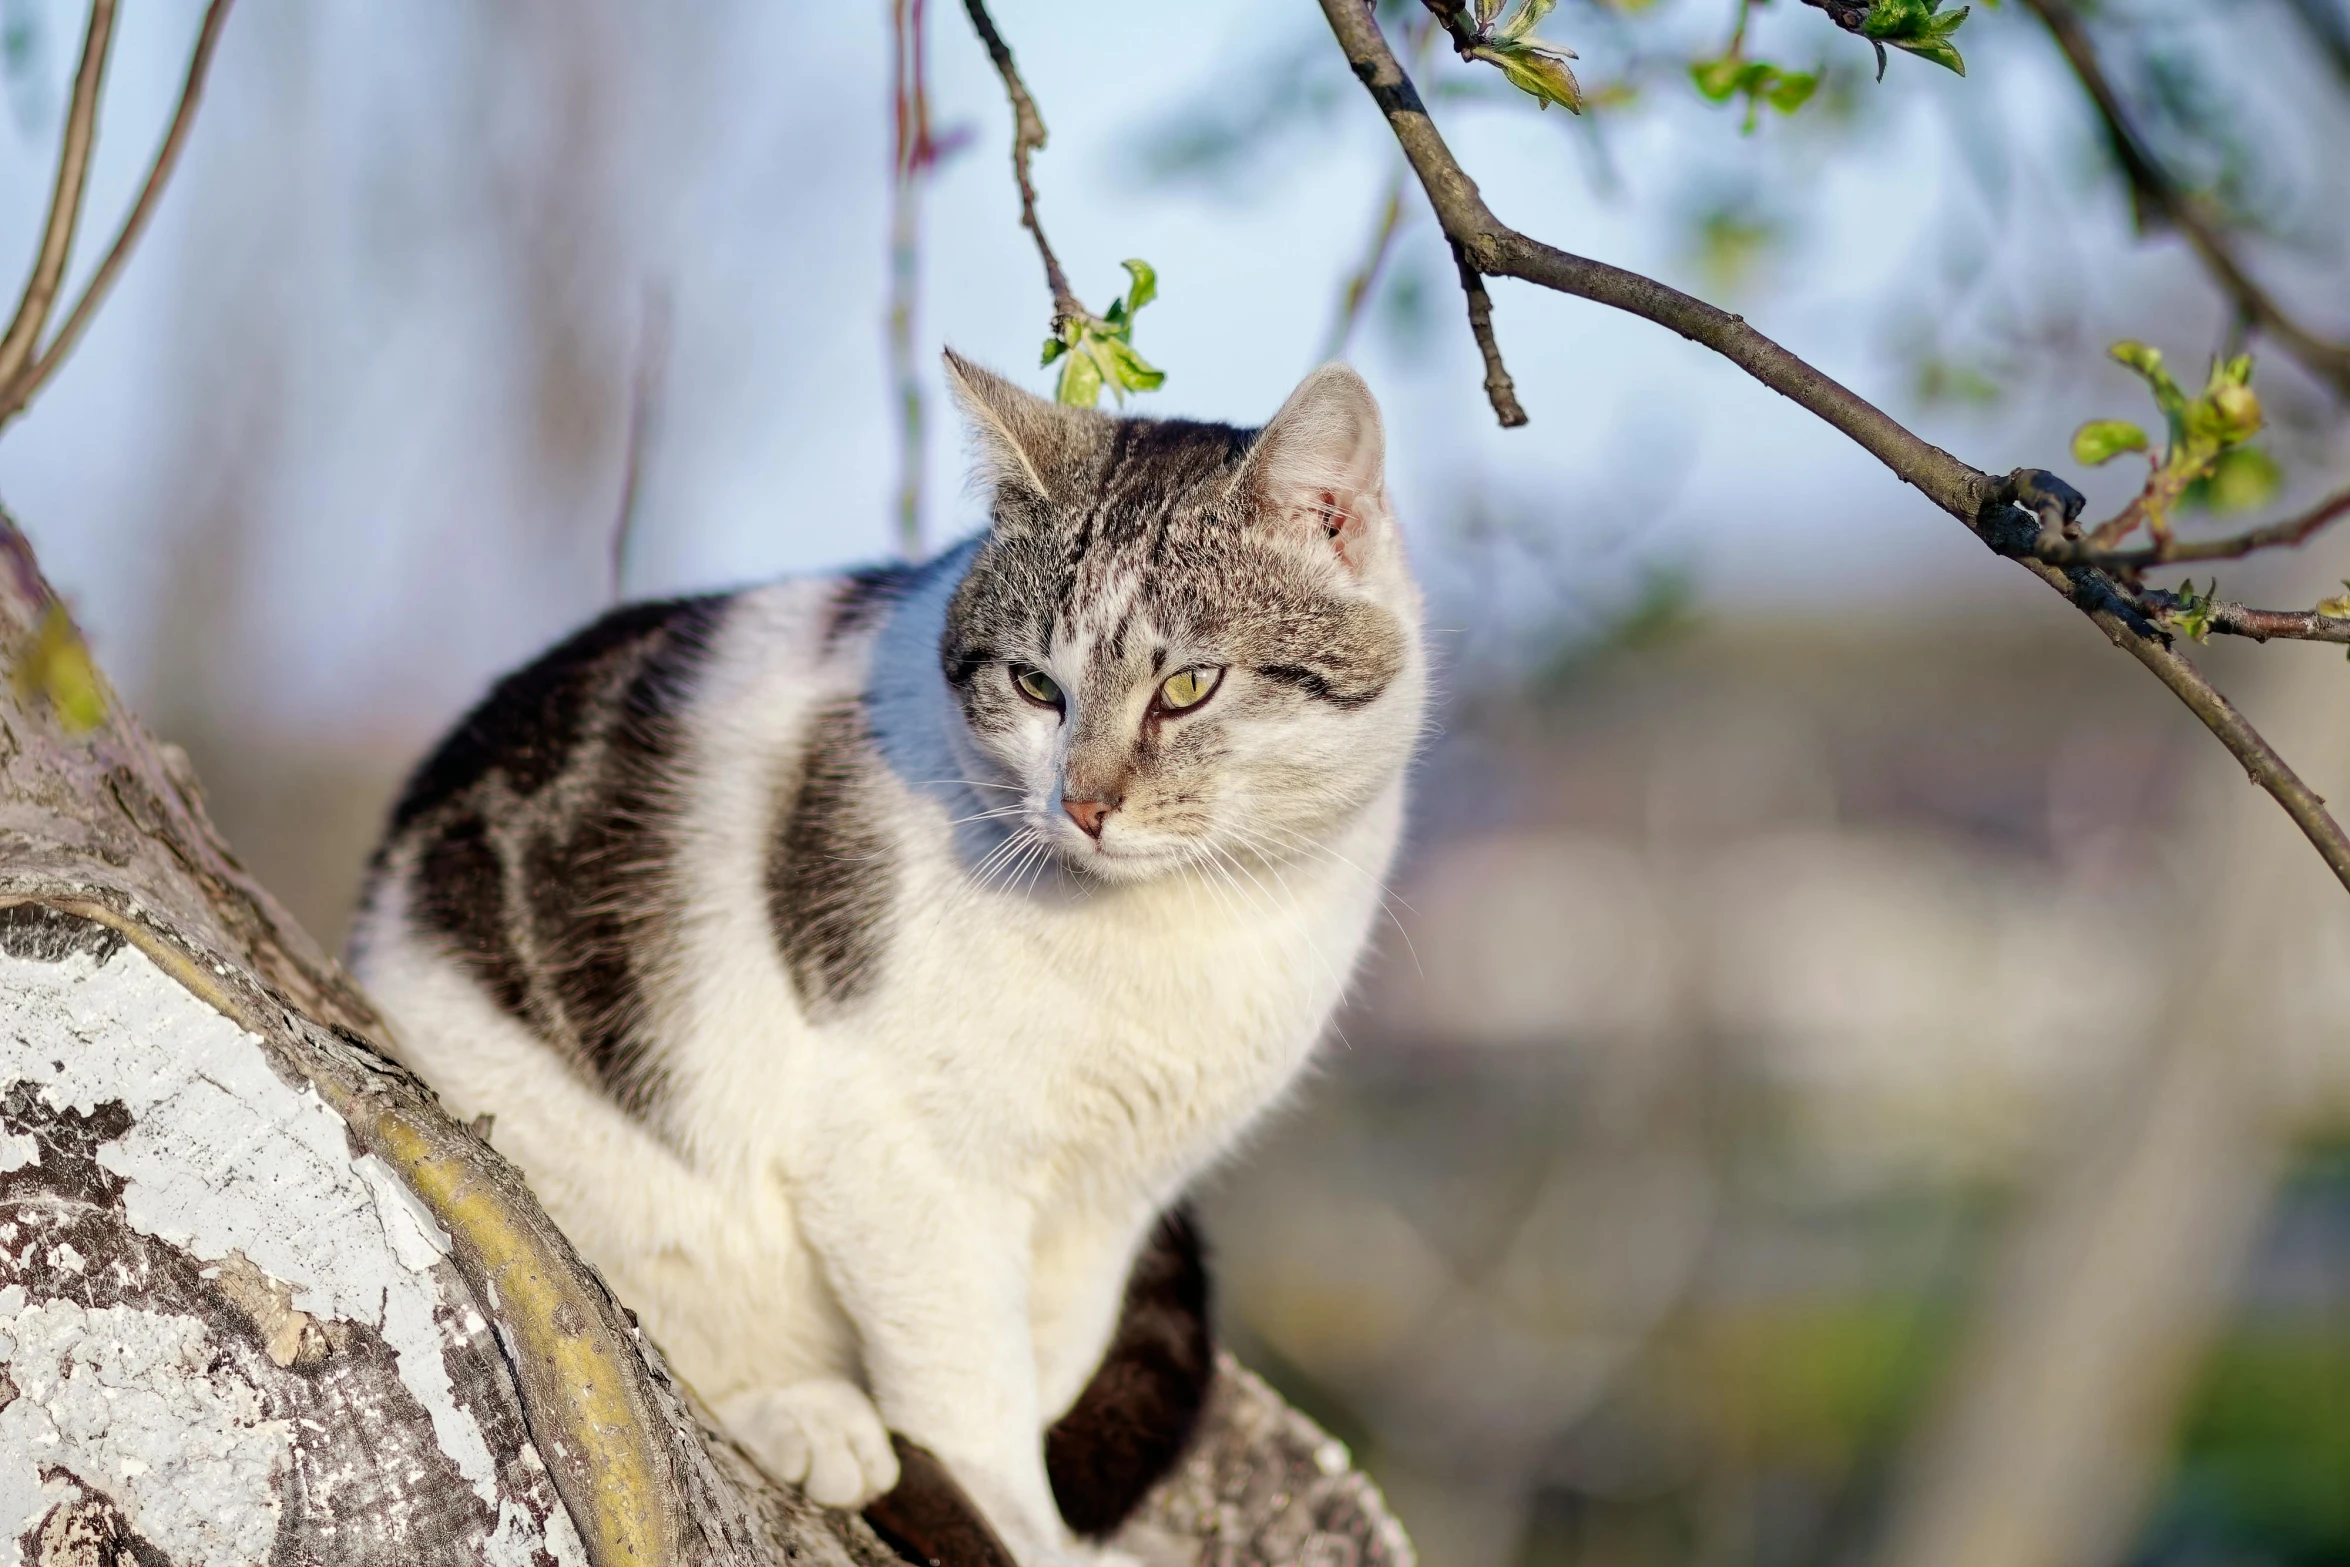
[(933, 1271)]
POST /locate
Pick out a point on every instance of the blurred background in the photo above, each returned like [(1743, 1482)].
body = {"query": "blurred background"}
[(1851, 1073)]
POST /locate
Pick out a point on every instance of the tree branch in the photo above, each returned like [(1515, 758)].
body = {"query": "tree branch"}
[(16, 393), (1995, 510), (2155, 190), (1028, 136), (2060, 551), (65, 202), (2242, 620), (1500, 390)]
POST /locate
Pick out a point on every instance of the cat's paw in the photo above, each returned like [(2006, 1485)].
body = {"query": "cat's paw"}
[(823, 1436)]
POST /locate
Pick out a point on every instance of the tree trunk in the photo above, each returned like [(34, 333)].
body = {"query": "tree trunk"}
[(261, 1301)]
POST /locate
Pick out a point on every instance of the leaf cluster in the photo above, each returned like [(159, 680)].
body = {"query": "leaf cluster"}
[(1533, 65), (1758, 81), (1919, 27), (1098, 351), (2204, 459)]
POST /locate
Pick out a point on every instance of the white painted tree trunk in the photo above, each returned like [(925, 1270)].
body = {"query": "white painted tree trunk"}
[(262, 1302)]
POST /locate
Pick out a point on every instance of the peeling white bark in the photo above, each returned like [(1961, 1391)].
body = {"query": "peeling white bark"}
[(259, 1184), (136, 1405)]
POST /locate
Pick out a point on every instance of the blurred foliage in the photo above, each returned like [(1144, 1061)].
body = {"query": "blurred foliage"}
[(22, 55), (1252, 113), (55, 667), (2266, 1446), (1758, 81), (2205, 130), (1663, 608), (1808, 1385), (1942, 382), (1730, 236)]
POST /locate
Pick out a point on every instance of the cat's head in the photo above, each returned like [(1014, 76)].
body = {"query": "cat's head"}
[(1180, 641)]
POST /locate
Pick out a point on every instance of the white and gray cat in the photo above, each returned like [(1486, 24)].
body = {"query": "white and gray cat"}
[(859, 967)]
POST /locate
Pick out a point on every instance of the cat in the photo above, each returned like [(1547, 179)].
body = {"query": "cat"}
[(860, 967)]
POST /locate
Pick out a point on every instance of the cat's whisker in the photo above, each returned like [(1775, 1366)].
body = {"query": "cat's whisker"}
[(997, 814), (1386, 894)]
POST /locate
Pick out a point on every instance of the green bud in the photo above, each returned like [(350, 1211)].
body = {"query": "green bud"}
[(2238, 407), (2102, 440)]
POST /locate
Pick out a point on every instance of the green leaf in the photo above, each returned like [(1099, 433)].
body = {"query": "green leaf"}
[(1915, 26), (1054, 348), (1538, 70), (1762, 82), (1792, 90), (2147, 361), (1718, 79), (1081, 381), (1145, 287), (1130, 371), (2241, 479), (1529, 14), (2102, 440), (1940, 51)]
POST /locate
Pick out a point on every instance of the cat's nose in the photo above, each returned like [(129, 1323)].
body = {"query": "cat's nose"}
[(1089, 814)]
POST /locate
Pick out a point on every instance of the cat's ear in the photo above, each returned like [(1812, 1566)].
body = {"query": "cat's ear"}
[(1320, 466), (1020, 441)]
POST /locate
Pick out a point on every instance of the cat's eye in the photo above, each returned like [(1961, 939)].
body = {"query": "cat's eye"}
[(1188, 687), (1037, 686)]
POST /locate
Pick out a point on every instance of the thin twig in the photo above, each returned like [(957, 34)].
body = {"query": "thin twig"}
[(2242, 620), (1357, 291), (2292, 530), (2259, 759), (911, 156), (134, 223), (1453, 17), (65, 202), (2155, 189), (1500, 390), (644, 418), (1028, 137), (1987, 506)]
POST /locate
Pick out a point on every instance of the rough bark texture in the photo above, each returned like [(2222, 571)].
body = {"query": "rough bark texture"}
[(261, 1301)]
